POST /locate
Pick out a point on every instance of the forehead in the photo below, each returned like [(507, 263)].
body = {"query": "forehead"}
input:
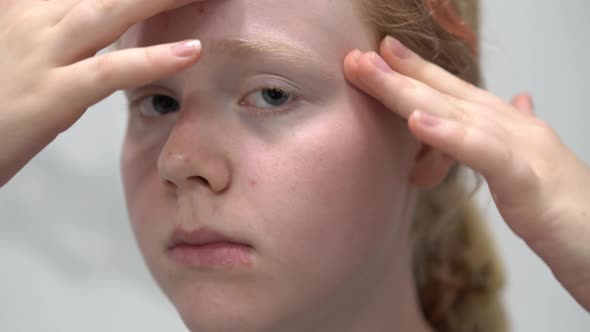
[(328, 27)]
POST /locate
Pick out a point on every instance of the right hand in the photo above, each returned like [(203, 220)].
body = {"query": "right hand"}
[(49, 75)]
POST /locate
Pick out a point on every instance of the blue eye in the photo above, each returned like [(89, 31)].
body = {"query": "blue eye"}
[(267, 98), (275, 97), (158, 105)]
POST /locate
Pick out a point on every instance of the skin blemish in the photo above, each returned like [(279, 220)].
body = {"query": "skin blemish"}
[(201, 10), (252, 182)]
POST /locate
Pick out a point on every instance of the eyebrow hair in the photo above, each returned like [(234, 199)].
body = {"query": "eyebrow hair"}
[(274, 47), (268, 45)]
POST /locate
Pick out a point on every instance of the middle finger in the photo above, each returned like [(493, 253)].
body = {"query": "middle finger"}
[(399, 93), (407, 62)]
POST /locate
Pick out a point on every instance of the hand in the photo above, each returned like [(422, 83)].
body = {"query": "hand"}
[(540, 187), (50, 75)]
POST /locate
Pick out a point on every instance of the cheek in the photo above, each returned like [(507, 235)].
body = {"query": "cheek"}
[(333, 192), (143, 193)]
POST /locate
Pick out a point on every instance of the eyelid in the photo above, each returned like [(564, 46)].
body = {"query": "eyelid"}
[(262, 83), (140, 93), (253, 84), (269, 80)]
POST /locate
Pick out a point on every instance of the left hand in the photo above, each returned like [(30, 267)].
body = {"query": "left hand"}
[(540, 187)]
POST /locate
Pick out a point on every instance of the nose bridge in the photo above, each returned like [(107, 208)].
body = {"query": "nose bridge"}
[(192, 154)]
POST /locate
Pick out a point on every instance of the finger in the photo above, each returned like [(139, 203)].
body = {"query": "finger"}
[(470, 144), (92, 25), (397, 92), (406, 62), (98, 77), (57, 9), (426, 173), (524, 103)]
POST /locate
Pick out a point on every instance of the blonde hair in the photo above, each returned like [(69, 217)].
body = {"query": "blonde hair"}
[(457, 272)]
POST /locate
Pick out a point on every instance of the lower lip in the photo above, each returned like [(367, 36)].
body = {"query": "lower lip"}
[(219, 254)]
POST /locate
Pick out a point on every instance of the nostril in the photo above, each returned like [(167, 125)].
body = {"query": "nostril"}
[(169, 184), (199, 179)]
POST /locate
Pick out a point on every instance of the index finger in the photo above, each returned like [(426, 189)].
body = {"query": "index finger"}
[(92, 25), (409, 63)]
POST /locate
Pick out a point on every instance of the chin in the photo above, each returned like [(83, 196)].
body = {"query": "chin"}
[(224, 315), (222, 321)]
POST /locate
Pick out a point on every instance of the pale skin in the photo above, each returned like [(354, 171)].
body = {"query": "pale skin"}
[(540, 187), (542, 201), (319, 187)]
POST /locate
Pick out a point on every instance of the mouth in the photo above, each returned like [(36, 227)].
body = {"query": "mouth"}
[(207, 248)]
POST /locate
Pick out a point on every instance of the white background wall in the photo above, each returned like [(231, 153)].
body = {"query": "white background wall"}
[(68, 260)]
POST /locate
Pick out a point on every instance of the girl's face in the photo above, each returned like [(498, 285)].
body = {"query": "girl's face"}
[(264, 140)]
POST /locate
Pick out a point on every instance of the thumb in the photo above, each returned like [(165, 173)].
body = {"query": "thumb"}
[(524, 103), (97, 77)]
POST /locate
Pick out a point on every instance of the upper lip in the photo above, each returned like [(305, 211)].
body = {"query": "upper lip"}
[(199, 236)]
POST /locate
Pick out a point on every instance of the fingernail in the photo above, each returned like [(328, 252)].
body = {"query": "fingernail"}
[(427, 120), (381, 64), (356, 54), (186, 49), (397, 48)]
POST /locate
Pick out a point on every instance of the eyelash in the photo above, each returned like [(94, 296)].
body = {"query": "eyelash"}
[(293, 102)]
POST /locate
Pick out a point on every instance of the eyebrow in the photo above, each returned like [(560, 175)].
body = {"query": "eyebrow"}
[(274, 47)]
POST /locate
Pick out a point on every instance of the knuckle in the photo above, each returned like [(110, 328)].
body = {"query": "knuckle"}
[(104, 5), (545, 129), (408, 86), (103, 68), (543, 132), (460, 110), (472, 138), (149, 57), (423, 70), (505, 154)]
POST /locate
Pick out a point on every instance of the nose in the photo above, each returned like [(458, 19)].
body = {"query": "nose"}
[(193, 157)]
